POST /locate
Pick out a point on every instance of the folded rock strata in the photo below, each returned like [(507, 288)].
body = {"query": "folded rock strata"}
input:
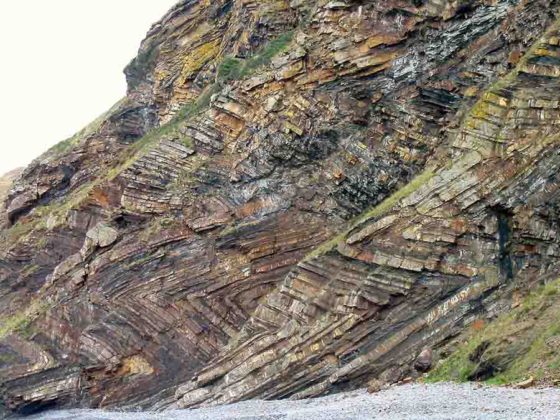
[(293, 199)]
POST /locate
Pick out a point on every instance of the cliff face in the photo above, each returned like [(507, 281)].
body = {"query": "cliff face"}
[(6, 182), (519, 347), (293, 198)]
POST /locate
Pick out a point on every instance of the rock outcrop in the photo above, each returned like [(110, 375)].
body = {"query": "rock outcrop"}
[(294, 198), (6, 182), (519, 348)]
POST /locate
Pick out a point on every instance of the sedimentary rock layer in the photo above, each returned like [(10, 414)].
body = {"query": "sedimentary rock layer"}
[(294, 198)]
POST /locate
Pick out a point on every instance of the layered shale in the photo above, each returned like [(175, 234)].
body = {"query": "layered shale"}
[(294, 198)]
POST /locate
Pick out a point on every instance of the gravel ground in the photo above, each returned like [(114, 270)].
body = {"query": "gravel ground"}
[(442, 401)]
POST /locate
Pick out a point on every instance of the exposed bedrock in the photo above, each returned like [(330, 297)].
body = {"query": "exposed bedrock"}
[(293, 199)]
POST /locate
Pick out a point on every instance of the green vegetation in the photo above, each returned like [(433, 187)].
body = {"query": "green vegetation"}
[(191, 109), (392, 201), (53, 213), (522, 343), (494, 93), (155, 226), (233, 228), (64, 145), (6, 359), (57, 211), (141, 65), (21, 321), (456, 368), (30, 270), (91, 128), (19, 230), (230, 69), (233, 68), (139, 148), (37, 220), (375, 212)]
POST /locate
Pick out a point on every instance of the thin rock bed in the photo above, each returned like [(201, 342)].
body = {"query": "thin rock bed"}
[(414, 401)]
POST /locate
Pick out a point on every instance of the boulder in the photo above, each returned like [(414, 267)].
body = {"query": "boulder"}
[(424, 361), (374, 386), (103, 235), (528, 383)]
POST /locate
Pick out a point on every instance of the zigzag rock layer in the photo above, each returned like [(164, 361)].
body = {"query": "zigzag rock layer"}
[(294, 198)]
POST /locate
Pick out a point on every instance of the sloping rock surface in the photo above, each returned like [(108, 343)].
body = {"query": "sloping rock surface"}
[(294, 198), (6, 181)]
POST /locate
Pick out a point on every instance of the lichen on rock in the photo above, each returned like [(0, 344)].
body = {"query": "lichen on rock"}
[(295, 198)]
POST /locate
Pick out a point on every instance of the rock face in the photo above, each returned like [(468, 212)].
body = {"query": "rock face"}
[(6, 182), (519, 348), (294, 198)]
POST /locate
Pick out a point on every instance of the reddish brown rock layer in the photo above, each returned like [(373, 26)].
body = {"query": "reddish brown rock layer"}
[(191, 265)]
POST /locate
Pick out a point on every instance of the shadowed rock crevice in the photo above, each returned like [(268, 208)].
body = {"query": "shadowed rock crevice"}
[(294, 198), (505, 233)]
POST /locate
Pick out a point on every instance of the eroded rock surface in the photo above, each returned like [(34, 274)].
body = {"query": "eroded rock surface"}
[(6, 182), (294, 198)]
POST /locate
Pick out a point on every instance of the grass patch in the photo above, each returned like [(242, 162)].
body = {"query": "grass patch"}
[(521, 343), (392, 201), (375, 212), (233, 68), (64, 145), (230, 69), (458, 367), (20, 229), (265, 56), (58, 210), (21, 321), (6, 359), (191, 109), (91, 128)]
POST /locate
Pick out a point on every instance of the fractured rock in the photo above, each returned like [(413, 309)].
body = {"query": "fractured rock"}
[(293, 197)]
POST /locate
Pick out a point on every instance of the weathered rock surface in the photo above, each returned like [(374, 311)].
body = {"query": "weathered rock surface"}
[(294, 198), (518, 348), (6, 182), (424, 361)]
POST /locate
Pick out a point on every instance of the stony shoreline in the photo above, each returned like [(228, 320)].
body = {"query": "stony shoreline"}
[(414, 401)]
